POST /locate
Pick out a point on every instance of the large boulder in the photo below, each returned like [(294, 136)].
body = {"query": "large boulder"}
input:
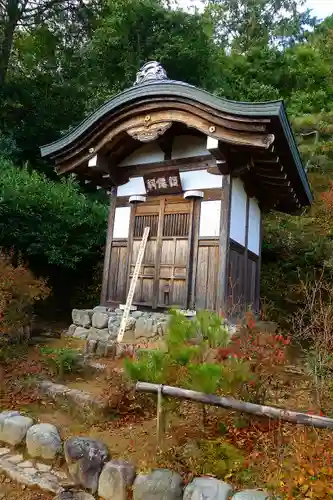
[(116, 477), (144, 327), (130, 324), (82, 317), (137, 314), (207, 488), (85, 459), (251, 495), (43, 441), (114, 325), (100, 320), (13, 427), (101, 349), (160, 484), (99, 335), (71, 330), (102, 309), (81, 332)]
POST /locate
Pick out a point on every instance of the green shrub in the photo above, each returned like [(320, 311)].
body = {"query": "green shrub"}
[(205, 377), (212, 328), (51, 221), (62, 360), (149, 368), (190, 360)]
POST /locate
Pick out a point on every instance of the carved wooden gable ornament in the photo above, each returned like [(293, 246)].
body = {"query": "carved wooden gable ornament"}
[(149, 131)]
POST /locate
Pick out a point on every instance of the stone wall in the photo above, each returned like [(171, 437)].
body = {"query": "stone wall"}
[(90, 471), (100, 326)]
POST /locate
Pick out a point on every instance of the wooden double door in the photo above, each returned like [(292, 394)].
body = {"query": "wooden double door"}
[(165, 271)]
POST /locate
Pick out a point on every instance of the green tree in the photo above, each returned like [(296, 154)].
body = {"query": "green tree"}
[(242, 25), (25, 16), (135, 31)]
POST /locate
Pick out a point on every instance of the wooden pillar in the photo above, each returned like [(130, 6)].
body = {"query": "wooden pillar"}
[(257, 292), (129, 250), (108, 246), (194, 251), (223, 271), (245, 262)]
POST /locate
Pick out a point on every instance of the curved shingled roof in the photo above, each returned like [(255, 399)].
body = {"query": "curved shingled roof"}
[(169, 89), (165, 88)]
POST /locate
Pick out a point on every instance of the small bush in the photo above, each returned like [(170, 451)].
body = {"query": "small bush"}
[(190, 360), (62, 360), (19, 290), (149, 368), (264, 354)]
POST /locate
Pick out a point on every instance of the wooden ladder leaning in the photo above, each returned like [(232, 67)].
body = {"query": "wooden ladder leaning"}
[(130, 295)]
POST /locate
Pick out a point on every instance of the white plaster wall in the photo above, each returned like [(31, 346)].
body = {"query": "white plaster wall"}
[(134, 186), (198, 179), (254, 227), (148, 153), (185, 146), (238, 212), (121, 222), (210, 215)]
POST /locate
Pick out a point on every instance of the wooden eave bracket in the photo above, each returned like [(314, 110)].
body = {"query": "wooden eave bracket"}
[(102, 175), (213, 147)]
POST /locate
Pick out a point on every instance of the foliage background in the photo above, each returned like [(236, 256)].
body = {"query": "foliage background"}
[(62, 58)]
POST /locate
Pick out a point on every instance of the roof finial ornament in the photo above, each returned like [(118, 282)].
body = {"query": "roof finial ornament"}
[(152, 70)]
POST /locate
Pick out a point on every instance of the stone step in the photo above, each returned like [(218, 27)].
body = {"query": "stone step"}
[(81, 399), (23, 471)]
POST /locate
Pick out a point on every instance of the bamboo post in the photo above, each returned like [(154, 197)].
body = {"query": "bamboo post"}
[(293, 417), (159, 415)]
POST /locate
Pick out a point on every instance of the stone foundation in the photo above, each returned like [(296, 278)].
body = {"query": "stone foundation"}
[(100, 326)]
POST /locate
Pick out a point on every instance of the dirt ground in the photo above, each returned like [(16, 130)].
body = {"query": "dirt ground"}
[(273, 452), (10, 490)]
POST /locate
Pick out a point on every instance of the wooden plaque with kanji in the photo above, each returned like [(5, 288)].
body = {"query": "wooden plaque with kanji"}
[(168, 182)]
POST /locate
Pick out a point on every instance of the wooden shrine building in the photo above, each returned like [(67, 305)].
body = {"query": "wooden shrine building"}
[(199, 171)]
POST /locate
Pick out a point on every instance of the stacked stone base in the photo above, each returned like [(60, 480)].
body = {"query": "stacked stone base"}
[(99, 328)]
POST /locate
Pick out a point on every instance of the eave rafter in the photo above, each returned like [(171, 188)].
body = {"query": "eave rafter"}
[(262, 173)]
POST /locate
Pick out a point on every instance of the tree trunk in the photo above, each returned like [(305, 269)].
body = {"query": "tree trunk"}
[(9, 26), (293, 417)]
